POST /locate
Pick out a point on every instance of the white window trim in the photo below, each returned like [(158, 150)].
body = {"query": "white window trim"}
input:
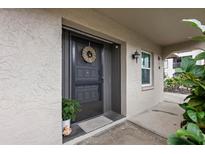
[(151, 67)]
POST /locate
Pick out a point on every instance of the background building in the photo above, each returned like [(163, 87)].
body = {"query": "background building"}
[(173, 62)]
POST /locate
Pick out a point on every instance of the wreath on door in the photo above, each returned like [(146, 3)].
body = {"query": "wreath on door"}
[(89, 54)]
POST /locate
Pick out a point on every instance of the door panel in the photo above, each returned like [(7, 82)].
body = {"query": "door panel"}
[(87, 79), (87, 94)]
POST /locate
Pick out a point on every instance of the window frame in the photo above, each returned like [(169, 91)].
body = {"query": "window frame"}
[(151, 69)]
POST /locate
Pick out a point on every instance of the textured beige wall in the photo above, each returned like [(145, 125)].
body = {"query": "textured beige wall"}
[(30, 77), (137, 100), (30, 71)]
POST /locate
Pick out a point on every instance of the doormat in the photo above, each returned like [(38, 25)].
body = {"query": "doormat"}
[(95, 123)]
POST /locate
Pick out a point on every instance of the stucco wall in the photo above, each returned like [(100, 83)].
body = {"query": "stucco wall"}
[(30, 71), (30, 77)]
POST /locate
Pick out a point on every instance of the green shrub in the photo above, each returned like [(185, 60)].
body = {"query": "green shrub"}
[(174, 85), (193, 126), (70, 108), (174, 82)]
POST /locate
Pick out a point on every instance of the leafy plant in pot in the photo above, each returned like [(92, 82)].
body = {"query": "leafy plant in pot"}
[(69, 110), (193, 77)]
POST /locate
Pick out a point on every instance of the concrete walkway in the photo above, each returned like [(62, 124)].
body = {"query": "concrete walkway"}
[(163, 119), (174, 97), (125, 133)]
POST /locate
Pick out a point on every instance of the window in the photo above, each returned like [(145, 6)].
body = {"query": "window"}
[(146, 69), (176, 62)]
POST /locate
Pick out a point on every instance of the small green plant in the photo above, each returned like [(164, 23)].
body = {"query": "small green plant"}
[(193, 77), (70, 108)]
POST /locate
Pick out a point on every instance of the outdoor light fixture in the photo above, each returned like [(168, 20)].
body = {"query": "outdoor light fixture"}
[(136, 55)]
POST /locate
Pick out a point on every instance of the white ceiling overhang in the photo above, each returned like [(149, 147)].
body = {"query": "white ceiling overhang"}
[(162, 26)]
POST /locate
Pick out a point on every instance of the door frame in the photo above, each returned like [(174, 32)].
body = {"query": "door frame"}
[(103, 38)]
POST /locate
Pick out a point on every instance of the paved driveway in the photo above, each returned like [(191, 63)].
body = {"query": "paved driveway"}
[(163, 119)]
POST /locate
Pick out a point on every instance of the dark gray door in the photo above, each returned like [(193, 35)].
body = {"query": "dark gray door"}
[(86, 78)]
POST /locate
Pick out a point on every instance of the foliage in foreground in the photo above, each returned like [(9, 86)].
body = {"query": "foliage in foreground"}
[(189, 135), (192, 77)]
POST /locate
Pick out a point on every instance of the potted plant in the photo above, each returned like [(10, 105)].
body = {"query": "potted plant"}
[(69, 110)]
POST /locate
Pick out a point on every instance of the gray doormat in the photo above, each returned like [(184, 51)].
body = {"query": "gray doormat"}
[(95, 123)]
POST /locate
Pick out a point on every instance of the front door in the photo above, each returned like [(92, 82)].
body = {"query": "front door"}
[(87, 76)]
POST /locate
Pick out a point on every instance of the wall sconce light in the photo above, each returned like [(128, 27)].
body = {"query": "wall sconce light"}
[(136, 55)]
